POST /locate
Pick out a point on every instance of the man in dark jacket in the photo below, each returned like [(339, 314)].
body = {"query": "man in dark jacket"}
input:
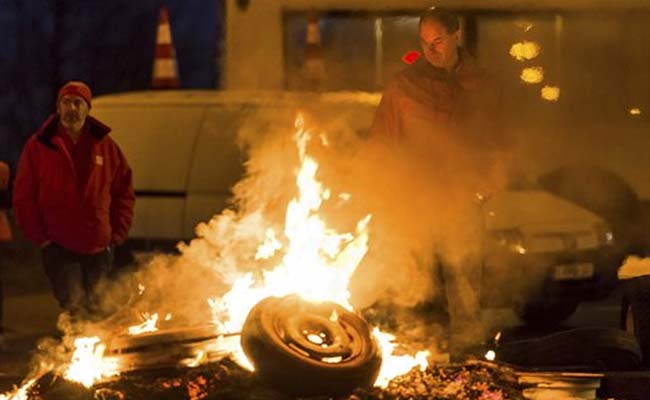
[(444, 103), (73, 196)]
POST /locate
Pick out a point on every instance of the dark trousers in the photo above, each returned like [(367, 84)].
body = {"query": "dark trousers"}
[(75, 278)]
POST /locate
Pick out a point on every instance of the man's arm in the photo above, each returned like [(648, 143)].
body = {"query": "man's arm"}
[(122, 201), (386, 122), (25, 198)]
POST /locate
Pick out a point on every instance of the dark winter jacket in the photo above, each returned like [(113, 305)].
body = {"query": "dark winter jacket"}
[(51, 204), (464, 104)]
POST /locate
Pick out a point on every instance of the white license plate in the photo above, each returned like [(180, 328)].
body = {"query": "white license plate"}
[(572, 272)]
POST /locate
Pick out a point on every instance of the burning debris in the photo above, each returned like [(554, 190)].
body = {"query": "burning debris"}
[(227, 380)]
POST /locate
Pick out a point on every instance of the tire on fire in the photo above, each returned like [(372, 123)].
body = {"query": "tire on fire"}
[(307, 348)]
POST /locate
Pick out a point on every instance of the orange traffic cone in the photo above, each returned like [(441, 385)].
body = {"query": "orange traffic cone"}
[(165, 72), (314, 65)]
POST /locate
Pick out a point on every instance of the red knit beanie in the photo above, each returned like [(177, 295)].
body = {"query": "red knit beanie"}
[(77, 88)]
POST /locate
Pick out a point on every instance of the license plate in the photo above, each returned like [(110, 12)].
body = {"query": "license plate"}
[(571, 272)]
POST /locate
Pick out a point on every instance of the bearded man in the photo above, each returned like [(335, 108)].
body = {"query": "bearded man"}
[(73, 197)]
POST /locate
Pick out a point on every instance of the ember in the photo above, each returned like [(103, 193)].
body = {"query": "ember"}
[(227, 380)]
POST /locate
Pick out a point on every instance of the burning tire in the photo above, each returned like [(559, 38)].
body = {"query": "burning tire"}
[(308, 348)]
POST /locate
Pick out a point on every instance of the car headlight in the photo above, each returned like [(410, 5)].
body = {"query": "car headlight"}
[(605, 235), (511, 239)]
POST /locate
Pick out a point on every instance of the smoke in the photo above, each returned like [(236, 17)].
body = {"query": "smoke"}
[(421, 193)]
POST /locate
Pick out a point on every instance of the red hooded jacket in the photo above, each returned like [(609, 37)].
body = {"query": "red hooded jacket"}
[(50, 203)]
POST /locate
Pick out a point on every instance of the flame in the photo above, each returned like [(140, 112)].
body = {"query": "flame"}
[(525, 50), (19, 393), (491, 355), (149, 325), (88, 364), (269, 247), (550, 93), (393, 365), (317, 263), (635, 111), (532, 75)]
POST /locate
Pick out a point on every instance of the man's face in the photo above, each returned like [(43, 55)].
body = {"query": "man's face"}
[(72, 110), (439, 46)]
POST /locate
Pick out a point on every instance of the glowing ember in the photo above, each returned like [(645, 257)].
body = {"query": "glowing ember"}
[(532, 75), (88, 364), (525, 50), (551, 93), (392, 365), (149, 325), (635, 111)]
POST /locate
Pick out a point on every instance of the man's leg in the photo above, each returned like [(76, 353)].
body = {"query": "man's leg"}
[(95, 269), (62, 269), (462, 274), (462, 284)]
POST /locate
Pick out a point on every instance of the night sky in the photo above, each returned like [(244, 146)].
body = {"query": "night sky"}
[(108, 44)]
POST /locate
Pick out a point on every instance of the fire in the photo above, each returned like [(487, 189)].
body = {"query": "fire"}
[(394, 365), (532, 75), (20, 393), (318, 262), (525, 50), (149, 325), (88, 364)]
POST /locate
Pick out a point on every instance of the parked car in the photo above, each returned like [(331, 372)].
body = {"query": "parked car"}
[(182, 147), (549, 252)]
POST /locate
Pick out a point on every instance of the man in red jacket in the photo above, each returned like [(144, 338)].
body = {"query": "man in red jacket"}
[(448, 109), (73, 196)]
